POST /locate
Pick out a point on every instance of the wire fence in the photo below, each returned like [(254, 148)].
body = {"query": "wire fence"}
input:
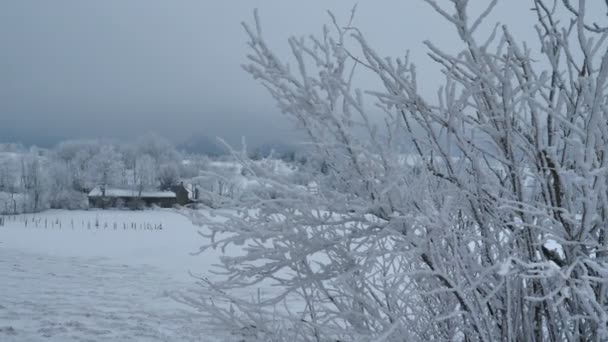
[(45, 222)]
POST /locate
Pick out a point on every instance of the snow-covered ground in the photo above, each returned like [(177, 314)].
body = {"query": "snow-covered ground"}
[(99, 276)]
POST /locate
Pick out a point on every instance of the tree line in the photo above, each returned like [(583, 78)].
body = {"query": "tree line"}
[(34, 179)]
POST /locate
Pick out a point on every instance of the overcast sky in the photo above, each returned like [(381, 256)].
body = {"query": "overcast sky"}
[(119, 68)]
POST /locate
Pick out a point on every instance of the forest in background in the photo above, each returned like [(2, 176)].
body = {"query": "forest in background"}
[(34, 179)]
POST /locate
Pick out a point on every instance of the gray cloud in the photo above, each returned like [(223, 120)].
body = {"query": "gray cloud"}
[(115, 68)]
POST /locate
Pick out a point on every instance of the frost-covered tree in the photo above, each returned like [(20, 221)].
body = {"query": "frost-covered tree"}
[(489, 224), (168, 175), (129, 157), (62, 194), (106, 168), (10, 183), (34, 180), (145, 169), (158, 148), (7, 173), (78, 158)]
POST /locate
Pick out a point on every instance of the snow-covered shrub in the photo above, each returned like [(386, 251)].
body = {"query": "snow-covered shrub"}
[(68, 199), (511, 155), (232, 183)]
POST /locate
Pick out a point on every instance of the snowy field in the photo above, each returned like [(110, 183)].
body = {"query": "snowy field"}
[(99, 276)]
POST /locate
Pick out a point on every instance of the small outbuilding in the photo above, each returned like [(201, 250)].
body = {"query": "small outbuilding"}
[(182, 194)]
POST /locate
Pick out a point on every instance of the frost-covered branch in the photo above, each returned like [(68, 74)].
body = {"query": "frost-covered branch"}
[(479, 214)]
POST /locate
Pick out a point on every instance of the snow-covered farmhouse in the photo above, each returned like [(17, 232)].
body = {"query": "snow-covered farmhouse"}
[(112, 197)]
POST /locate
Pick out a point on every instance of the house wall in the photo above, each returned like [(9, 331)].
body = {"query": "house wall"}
[(182, 197), (181, 194), (161, 202)]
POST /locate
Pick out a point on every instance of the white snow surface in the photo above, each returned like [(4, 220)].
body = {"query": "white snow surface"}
[(100, 276), (112, 192)]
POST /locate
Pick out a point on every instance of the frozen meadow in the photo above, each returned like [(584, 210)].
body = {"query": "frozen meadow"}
[(100, 276)]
